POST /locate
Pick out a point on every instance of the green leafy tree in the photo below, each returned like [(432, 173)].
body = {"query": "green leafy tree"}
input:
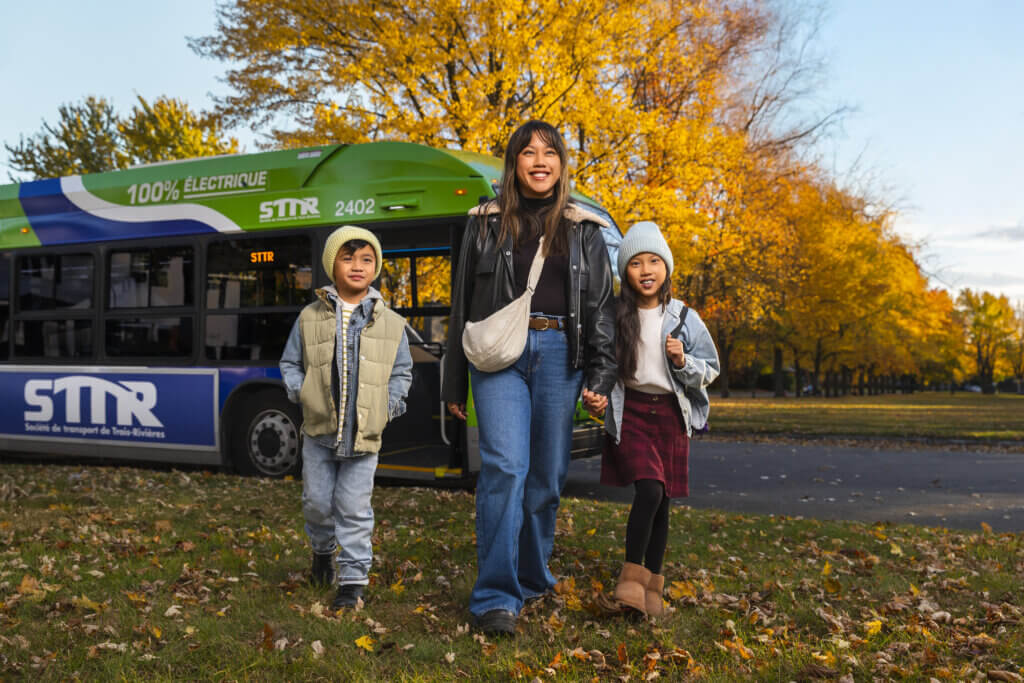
[(89, 137), (85, 139)]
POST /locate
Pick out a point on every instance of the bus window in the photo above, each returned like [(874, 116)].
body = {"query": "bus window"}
[(433, 281), (251, 274), (5, 306), (396, 282), (55, 339), (411, 283), (48, 282), (267, 271), (138, 337), (248, 337), (141, 278), (430, 328)]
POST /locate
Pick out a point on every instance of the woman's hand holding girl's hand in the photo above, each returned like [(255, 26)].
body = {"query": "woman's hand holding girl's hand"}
[(594, 403), (674, 349), (458, 410)]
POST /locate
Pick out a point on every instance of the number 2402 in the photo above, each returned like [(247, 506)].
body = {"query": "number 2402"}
[(354, 207)]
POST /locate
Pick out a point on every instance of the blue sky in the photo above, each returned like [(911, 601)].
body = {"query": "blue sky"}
[(939, 119)]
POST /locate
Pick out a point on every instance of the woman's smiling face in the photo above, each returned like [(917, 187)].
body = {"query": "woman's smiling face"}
[(538, 168)]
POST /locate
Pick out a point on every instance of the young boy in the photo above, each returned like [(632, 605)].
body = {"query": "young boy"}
[(347, 362)]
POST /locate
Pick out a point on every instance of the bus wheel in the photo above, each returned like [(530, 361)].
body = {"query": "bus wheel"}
[(265, 436)]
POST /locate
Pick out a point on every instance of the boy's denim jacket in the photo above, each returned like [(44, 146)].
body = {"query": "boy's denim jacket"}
[(293, 371), (700, 368)]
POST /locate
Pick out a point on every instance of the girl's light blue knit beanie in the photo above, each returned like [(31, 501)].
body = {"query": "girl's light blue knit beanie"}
[(642, 237)]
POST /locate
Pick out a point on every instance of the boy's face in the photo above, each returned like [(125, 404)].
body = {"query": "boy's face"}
[(353, 271)]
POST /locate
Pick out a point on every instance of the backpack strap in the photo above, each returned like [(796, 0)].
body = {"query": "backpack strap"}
[(682, 319)]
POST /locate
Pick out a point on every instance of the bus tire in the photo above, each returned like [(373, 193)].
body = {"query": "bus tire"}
[(265, 435)]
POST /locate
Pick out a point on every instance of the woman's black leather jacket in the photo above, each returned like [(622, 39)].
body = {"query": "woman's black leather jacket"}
[(485, 282)]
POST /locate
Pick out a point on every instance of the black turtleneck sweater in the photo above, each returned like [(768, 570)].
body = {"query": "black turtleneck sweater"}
[(549, 297)]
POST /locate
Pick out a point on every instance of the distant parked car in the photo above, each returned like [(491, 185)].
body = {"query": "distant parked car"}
[(973, 388)]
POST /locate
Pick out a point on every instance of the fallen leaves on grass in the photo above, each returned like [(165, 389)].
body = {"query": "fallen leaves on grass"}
[(151, 568)]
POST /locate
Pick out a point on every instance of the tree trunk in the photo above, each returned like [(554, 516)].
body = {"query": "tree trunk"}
[(724, 348), (778, 372), (815, 380), (797, 376)]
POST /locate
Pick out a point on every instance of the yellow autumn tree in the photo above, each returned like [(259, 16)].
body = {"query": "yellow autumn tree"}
[(438, 72), (843, 296), (989, 323), (1015, 346), (167, 128), (686, 112)]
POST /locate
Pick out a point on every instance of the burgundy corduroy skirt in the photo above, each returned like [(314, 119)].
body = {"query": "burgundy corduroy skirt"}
[(654, 445)]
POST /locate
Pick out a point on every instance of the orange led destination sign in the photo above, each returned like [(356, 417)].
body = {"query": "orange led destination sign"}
[(261, 257)]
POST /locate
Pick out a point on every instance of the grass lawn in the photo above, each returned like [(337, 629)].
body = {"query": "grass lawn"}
[(966, 416), (130, 574)]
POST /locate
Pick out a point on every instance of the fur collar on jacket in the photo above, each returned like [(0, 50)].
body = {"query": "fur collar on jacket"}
[(574, 212)]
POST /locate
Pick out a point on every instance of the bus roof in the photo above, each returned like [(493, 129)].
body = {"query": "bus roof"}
[(331, 184)]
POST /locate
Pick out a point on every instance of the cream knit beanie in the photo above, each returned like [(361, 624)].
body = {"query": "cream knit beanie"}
[(343, 234), (644, 237)]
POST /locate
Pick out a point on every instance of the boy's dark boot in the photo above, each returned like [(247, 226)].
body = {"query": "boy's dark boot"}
[(322, 573), (348, 595)]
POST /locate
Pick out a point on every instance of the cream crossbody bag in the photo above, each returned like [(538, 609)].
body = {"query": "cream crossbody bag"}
[(498, 340)]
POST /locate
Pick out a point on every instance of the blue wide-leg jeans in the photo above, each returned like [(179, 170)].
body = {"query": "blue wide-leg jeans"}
[(525, 417)]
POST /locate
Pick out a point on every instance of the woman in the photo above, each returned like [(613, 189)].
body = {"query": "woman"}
[(525, 412)]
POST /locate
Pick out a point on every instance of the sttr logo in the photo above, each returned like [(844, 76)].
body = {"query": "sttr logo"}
[(289, 208), (134, 400)]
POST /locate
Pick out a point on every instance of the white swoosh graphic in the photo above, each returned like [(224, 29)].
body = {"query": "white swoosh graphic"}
[(75, 191)]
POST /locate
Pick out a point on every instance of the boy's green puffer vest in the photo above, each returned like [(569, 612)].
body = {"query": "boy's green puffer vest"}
[(378, 346)]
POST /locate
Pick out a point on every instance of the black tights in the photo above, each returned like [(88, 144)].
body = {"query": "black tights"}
[(647, 527)]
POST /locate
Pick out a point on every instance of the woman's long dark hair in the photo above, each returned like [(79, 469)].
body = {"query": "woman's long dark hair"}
[(512, 216), (627, 325)]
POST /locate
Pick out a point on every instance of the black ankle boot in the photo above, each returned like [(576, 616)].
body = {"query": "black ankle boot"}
[(322, 573), (348, 595)]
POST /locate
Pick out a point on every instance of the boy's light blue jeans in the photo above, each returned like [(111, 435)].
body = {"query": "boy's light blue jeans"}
[(336, 503), (525, 415)]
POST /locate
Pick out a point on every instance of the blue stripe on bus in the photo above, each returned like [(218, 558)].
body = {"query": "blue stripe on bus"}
[(231, 378), (56, 220)]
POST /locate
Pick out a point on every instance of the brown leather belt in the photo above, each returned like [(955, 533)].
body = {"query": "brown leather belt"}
[(547, 324)]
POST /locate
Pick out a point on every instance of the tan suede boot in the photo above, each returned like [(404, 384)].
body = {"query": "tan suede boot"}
[(655, 605), (631, 590)]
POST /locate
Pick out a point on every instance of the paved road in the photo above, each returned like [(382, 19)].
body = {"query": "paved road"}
[(957, 489)]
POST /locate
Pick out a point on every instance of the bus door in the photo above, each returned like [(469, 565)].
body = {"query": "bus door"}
[(421, 444)]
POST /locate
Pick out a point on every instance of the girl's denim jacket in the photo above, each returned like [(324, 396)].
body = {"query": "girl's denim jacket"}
[(700, 368), (293, 372)]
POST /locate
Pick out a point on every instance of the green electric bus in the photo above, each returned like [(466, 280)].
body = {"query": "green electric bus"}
[(143, 311)]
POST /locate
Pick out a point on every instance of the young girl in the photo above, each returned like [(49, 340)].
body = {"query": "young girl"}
[(666, 360)]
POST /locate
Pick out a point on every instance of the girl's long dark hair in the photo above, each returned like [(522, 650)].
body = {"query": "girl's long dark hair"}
[(627, 325), (512, 216)]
